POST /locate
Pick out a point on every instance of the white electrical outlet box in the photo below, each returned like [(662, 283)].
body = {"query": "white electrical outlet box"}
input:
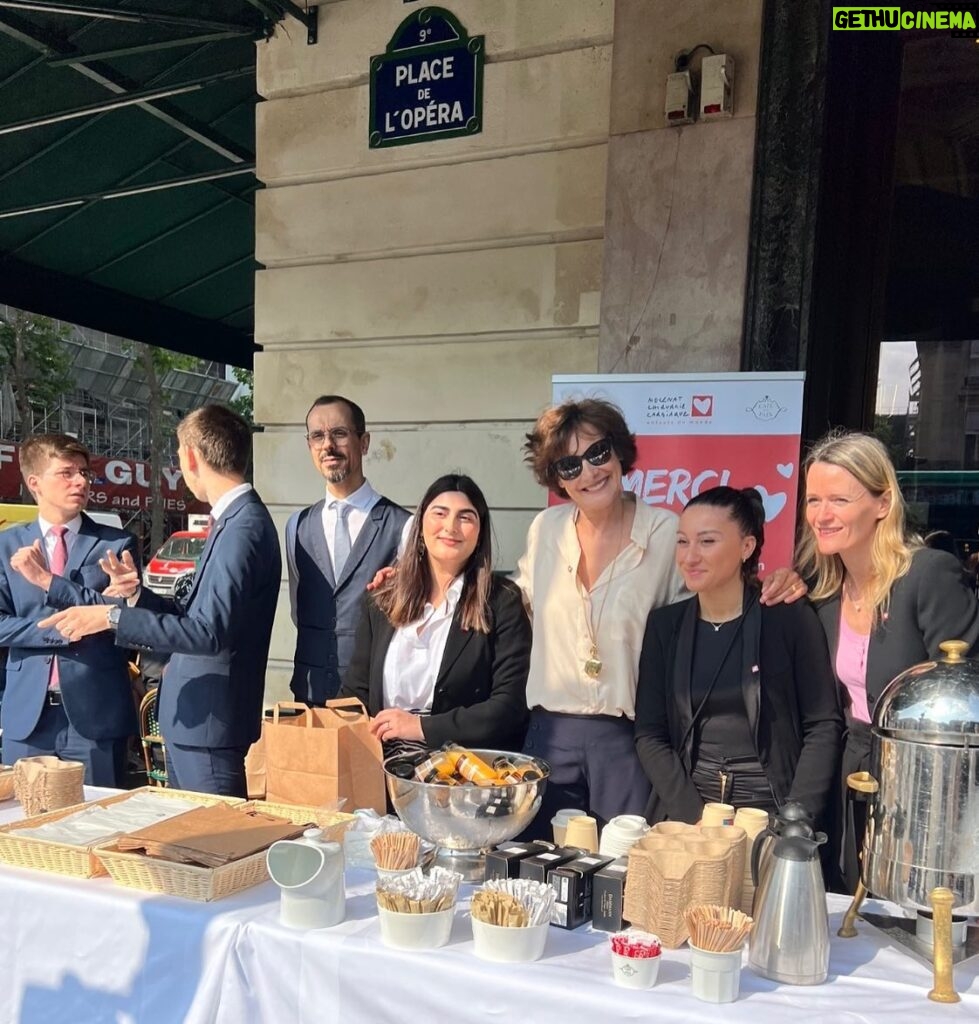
[(679, 99), (716, 86)]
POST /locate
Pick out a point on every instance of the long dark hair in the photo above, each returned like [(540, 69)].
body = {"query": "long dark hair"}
[(403, 596), (747, 510)]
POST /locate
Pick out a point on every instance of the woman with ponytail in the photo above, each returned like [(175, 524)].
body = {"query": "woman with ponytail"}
[(736, 700)]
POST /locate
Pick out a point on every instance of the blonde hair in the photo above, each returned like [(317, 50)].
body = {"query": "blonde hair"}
[(866, 459)]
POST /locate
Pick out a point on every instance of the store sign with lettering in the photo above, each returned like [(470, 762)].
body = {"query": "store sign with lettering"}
[(428, 84)]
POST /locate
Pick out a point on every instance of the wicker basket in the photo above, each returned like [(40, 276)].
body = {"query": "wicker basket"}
[(77, 861), (47, 783), (137, 871), (6, 782), (333, 823)]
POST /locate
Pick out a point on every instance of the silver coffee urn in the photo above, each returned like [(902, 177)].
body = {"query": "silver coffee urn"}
[(921, 847)]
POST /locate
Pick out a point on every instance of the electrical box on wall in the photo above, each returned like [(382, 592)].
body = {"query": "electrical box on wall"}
[(679, 99), (716, 86)]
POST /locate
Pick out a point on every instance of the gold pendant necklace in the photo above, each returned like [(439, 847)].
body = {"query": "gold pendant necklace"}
[(593, 663)]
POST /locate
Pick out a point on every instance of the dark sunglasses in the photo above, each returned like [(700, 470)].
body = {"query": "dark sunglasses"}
[(570, 466)]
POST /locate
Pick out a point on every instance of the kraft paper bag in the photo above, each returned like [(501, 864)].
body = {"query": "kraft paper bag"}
[(255, 768), (321, 755)]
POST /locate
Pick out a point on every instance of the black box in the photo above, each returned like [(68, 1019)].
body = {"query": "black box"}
[(608, 896), (573, 884), (538, 866), (504, 861)]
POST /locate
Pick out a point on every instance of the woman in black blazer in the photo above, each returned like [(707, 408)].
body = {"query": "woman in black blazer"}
[(443, 646), (884, 601), (736, 701)]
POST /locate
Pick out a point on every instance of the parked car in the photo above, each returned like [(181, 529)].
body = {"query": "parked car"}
[(176, 562)]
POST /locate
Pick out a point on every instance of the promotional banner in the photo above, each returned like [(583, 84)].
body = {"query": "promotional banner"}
[(695, 431), (121, 485)]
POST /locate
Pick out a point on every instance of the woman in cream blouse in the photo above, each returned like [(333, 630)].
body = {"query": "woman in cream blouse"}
[(593, 570)]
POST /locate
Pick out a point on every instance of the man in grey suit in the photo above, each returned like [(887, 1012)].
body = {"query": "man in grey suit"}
[(63, 698), (334, 548), (210, 705)]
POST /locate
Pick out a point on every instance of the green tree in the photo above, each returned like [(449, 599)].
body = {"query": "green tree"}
[(154, 365), (244, 404), (36, 362)]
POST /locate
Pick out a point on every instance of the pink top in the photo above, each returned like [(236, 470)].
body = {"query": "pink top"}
[(851, 668)]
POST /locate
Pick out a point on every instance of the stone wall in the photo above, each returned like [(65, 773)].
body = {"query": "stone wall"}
[(441, 284), (678, 199)]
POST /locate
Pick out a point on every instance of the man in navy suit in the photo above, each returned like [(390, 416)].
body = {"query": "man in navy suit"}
[(69, 699), (210, 705), (334, 548)]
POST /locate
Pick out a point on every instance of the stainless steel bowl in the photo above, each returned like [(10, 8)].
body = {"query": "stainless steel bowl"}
[(468, 819)]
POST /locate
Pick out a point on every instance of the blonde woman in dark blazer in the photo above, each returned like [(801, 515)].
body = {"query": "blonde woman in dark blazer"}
[(443, 647), (885, 601)]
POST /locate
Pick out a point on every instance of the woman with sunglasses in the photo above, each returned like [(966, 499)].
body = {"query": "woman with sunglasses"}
[(592, 571), (736, 702)]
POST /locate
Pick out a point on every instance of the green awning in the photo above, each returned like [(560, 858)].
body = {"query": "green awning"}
[(137, 220)]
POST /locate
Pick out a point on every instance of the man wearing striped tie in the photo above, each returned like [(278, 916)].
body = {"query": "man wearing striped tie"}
[(68, 699)]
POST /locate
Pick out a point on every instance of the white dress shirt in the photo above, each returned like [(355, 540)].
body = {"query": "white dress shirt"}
[(415, 653), (361, 502), (221, 505), (73, 526), (642, 577)]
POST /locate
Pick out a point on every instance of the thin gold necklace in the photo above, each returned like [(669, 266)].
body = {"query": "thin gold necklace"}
[(593, 664)]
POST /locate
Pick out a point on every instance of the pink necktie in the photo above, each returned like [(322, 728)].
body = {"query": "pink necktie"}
[(57, 563)]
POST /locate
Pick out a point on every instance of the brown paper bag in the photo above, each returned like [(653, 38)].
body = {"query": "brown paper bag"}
[(322, 754), (255, 768)]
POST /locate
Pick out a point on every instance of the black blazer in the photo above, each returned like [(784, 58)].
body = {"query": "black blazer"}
[(480, 695), (790, 698), (930, 604)]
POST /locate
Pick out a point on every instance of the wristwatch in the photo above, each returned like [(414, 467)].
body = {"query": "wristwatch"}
[(112, 616)]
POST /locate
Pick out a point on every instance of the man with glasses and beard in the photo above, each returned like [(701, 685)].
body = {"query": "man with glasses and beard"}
[(67, 698), (334, 548)]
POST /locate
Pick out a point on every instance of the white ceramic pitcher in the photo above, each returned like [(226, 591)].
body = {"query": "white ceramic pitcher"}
[(309, 874)]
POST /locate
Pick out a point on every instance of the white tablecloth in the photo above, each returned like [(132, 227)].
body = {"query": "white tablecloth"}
[(85, 951)]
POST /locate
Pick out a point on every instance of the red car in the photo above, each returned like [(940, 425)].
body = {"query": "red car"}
[(175, 561)]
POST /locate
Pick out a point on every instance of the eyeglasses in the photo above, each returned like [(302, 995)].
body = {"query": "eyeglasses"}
[(339, 435), (67, 475), (569, 467)]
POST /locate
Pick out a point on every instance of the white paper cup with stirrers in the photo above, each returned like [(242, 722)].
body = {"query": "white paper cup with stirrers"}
[(395, 853), (416, 912), (511, 919), (717, 938)]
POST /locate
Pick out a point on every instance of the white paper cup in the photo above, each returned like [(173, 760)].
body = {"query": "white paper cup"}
[(716, 976), (509, 945), (560, 822), (924, 929), (635, 972), (415, 931), (717, 814)]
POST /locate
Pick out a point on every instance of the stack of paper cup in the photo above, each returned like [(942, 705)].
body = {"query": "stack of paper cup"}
[(560, 822), (754, 821), (582, 832)]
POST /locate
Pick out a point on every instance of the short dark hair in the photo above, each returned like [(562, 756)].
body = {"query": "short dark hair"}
[(747, 509), (356, 413), (555, 427), (220, 436), (36, 451)]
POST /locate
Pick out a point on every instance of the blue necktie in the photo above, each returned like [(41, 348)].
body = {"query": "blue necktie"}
[(341, 538)]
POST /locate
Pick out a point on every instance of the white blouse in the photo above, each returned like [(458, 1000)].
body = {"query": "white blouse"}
[(414, 655), (642, 577)]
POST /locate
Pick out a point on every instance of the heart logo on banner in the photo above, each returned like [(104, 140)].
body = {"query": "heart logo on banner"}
[(785, 469), (702, 404), (774, 503)]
